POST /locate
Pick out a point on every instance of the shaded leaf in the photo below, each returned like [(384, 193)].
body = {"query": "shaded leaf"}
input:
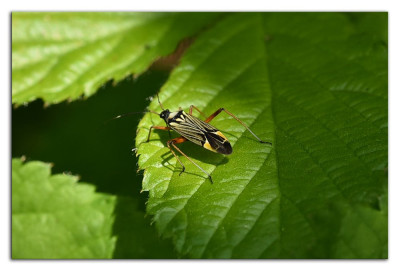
[(136, 238), (58, 56), (315, 85)]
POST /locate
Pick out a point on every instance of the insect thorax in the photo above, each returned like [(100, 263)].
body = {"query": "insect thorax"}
[(176, 117)]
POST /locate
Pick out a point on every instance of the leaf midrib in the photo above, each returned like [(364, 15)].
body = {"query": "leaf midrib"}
[(263, 57), (202, 62)]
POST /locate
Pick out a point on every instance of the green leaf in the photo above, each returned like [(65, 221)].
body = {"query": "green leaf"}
[(313, 84), (54, 217), (58, 56)]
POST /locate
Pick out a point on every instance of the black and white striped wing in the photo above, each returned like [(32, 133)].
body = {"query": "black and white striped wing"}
[(201, 133)]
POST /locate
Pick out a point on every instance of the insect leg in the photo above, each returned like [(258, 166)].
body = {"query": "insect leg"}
[(180, 140), (177, 141), (216, 113), (158, 128), (198, 110)]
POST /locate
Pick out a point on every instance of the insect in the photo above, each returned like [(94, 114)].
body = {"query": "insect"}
[(197, 131)]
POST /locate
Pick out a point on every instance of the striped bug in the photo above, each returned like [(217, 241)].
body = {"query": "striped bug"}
[(197, 131)]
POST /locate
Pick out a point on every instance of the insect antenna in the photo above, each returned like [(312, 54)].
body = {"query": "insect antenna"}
[(128, 114), (133, 113), (158, 98)]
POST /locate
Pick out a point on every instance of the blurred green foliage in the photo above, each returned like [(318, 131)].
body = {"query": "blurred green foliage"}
[(65, 55), (56, 217)]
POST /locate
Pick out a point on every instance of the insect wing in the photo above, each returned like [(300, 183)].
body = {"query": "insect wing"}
[(218, 143), (202, 134), (189, 131)]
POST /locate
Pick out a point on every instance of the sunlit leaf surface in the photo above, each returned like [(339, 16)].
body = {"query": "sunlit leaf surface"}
[(59, 56), (313, 84)]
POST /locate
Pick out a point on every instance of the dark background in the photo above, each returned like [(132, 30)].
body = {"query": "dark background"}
[(80, 138)]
